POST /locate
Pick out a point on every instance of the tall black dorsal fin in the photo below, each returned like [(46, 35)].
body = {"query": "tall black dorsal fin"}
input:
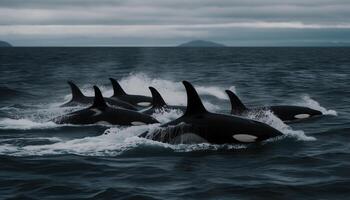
[(76, 92), (237, 106), (157, 99), (99, 101), (194, 103), (117, 89)]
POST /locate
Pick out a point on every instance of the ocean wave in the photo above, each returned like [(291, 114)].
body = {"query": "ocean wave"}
[(164, 116), (116, 141), (8, 93), (311, 103), (267, 117), (27, 124), (24, 124)]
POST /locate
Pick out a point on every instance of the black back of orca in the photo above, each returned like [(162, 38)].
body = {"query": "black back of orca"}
[(199, 125), (293, 113), (158, 104), (79, 99), (100, 112), (135, 100), (284, 112)]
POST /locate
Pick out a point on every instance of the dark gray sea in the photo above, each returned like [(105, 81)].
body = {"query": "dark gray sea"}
[(42, 160)]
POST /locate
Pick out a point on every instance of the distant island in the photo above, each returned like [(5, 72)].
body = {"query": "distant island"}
[(5, 44), (201, 43)]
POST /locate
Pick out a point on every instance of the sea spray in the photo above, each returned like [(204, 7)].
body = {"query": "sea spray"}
[(173, 92), (311, 103), (267, 117)]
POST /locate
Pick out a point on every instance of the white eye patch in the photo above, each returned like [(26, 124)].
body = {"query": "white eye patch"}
[(144, 104), (137, 123), (245, 138), (103, 123), (301, 116)]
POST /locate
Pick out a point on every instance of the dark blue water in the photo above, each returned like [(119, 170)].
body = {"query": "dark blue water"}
[(42, 160)]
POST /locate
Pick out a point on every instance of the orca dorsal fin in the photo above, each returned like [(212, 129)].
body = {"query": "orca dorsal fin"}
[(99, 101), (157, 99), (194, 103), (117, 89), (76, 92), (237, 106)]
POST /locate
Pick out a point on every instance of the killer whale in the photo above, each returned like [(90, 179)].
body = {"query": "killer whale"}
[(158, 104), (78, 98), (199, 125), (135, 100), (100, 112), (284, 112)]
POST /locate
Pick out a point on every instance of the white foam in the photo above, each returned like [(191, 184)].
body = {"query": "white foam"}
[(27, 124), (164, 116), (213, 91), (173, 92), (117, 140), (309, 102), (267, 117), (24, 124), (35, 117), (114, 141)]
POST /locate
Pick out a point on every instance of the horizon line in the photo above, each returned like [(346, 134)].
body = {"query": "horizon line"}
[(161, 46)]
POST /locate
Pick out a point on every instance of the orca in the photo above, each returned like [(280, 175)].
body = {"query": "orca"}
[(158, 104), (79, 99), (135, 100), (197, 125), (284, 112), (101, 113)]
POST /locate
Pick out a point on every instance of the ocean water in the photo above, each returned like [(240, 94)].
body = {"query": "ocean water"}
[(42, 160)]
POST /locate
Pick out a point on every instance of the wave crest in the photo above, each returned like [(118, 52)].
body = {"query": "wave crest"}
[(311, 103)]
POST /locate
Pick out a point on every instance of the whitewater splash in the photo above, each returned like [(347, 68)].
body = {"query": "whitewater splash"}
[(164, 116), (311, 103), (173, 92), (117, 140), (33, 117), (24, 124), (267, 117)]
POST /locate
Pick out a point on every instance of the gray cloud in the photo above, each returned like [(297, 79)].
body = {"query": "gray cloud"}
[(90, 12), (169, 21)]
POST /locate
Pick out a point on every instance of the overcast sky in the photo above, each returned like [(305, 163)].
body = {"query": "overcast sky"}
[(170, 22)]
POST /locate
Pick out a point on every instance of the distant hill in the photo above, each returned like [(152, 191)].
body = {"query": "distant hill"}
[(201, 43), (5, 44)]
